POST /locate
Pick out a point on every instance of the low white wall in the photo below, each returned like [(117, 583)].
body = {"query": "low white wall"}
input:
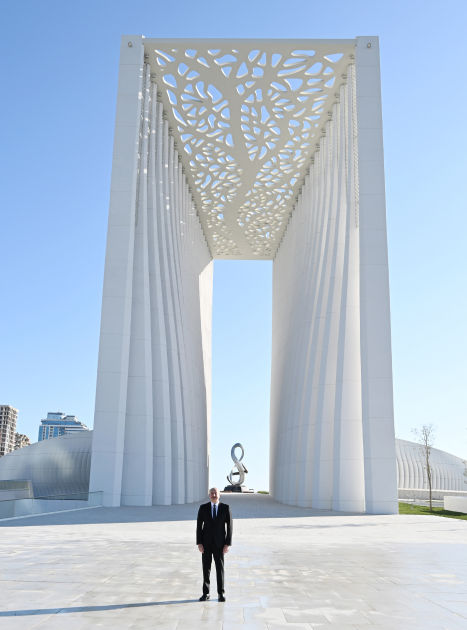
[(437, 495), (456, 504), (10, 495)]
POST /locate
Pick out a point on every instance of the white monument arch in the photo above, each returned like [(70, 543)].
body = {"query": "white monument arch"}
[(251, 150)]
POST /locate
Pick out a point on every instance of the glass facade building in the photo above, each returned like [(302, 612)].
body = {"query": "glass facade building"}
[(57, 424)]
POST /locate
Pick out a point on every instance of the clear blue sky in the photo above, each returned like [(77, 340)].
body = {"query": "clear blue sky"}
[(59, 63)]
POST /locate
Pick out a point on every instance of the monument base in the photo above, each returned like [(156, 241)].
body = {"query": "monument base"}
[(234, 489)]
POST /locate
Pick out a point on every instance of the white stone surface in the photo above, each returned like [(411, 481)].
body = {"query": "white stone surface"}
[(289, 568), (455, 504)]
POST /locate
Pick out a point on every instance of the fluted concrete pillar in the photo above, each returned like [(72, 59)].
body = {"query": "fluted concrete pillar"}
[(332, 427), (375, 324), (114, 343), (155, 339)]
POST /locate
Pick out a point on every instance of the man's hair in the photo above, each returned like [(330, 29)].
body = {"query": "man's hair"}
[(211, 489)]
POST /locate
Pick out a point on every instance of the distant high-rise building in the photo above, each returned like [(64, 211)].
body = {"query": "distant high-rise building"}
[(21, 440), (57, 424), (8, 418)]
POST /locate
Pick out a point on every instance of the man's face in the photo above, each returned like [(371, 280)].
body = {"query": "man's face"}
[(214, 494)]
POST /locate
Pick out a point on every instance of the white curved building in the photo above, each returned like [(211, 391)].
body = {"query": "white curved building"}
[(447, 470), (54, 467)]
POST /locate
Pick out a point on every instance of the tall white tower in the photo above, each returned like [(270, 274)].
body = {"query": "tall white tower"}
[(250, 150)]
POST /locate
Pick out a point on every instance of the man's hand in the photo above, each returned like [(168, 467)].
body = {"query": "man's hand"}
[(201, 548), (226, 549)]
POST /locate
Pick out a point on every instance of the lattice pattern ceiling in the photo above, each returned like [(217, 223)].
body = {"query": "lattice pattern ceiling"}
[(247, 117)]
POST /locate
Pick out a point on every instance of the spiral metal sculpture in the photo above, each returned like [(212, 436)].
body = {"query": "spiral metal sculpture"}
[(241, 468)]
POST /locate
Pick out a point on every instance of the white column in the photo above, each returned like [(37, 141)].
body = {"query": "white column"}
[(114, 342), (154, 376), (324, 431), (162, 466), (348, 483), (138, 447), (205, 298), (375, 327)]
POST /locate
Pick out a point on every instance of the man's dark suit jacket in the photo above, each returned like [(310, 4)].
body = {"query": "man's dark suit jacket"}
[(208, 532)]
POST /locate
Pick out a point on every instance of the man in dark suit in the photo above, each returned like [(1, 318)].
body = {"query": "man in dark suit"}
[(214, 537)]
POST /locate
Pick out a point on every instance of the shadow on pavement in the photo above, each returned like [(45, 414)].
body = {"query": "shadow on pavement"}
[(77, 609), (253, 506)]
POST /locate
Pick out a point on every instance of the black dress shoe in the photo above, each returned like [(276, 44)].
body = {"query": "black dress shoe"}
[(221, 598), (204, 598)]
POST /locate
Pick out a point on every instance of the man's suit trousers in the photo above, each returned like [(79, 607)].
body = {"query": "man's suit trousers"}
[(218, 554)]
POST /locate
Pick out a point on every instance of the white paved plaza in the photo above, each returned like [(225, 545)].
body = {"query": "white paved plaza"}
[(288, 568)]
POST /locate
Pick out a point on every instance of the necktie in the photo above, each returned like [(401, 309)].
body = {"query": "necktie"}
[(214, 513)]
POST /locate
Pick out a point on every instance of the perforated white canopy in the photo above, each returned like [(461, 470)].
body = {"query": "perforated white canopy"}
[(247, 116)]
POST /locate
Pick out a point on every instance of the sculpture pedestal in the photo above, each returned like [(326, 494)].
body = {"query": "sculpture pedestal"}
[(233, 489)]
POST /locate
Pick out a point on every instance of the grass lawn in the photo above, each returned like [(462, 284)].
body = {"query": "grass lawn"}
[(409, 508)]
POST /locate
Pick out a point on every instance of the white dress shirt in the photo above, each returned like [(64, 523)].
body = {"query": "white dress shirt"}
[(216, 506)]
